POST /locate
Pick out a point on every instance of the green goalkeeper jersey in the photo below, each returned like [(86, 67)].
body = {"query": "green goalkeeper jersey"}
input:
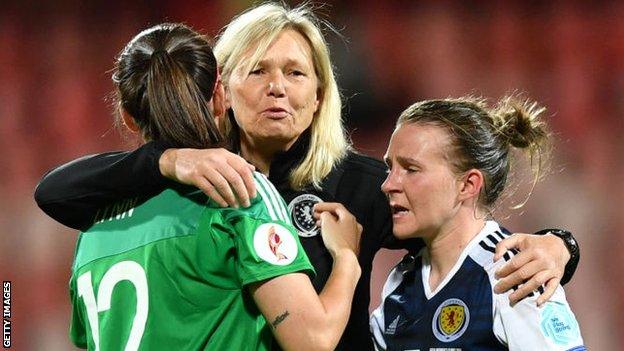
[(170, 272)]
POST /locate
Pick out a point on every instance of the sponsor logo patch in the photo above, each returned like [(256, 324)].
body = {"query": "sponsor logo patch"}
[(558, 323), (300, 209), (392, 327), (450, 320), (275, 244)]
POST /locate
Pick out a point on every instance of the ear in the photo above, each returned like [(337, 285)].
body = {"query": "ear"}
[(218, 102), (471, 183), (318, 99), (227, 97), (128, 120)]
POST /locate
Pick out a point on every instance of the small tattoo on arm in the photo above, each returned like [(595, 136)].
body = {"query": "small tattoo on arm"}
[(279, 319)]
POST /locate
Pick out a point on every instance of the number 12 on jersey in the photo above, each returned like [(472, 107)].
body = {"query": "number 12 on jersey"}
[(125, 270)]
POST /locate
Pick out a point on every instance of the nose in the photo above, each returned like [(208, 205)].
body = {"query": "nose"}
[(276, 85), (391, 184)]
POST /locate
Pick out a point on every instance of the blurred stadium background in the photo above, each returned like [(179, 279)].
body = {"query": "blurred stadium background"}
[(55, 58)]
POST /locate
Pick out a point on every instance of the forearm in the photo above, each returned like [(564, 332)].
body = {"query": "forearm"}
[(337, 295), (72, 193), (320, 328), (301, 319)]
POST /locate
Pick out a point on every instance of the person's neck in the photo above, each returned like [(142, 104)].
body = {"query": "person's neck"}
[(445, 247), (261, 153)]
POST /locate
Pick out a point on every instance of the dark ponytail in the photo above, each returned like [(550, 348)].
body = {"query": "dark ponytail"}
[(165, 77)]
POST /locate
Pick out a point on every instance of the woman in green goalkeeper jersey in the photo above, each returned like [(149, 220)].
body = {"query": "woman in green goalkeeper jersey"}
[(177, 271)]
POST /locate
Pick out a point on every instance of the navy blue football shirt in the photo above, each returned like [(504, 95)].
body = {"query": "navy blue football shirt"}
[(463, 312)]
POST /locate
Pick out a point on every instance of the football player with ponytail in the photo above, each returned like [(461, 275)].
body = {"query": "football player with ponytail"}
[(448, 163)]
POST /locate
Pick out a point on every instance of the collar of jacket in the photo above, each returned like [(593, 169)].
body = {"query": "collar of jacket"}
[(284, 162)]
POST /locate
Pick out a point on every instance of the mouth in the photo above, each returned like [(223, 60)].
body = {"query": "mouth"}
[(275, 113), (398, 210)]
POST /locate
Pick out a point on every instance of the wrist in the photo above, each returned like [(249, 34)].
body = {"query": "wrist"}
[(343, 253), (153, 152), (573, 249), (347, 257), (166, 162)]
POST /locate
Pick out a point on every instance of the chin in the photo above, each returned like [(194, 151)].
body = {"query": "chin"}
[(404, 233), (278, 133)]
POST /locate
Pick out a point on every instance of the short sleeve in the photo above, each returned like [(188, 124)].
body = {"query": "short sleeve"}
[(77, 329), (266, 243), (528, 327)]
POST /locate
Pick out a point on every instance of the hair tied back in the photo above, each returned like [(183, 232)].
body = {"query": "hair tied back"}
[(159, 52)]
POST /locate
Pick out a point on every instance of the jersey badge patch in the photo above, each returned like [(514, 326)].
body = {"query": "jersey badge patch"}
[(558, 323), (275, 244), (450, 320), (300, 209)]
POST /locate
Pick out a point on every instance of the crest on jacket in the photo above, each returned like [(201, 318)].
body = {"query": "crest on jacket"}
[(301, 209)]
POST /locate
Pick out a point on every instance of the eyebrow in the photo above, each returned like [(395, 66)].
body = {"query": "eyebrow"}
[(401, 159), (408, 160), (289, 62)]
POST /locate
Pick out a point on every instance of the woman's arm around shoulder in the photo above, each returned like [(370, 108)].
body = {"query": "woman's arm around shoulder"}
[(72, 193)]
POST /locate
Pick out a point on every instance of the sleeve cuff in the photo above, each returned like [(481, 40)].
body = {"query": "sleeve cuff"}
[(155, 150)]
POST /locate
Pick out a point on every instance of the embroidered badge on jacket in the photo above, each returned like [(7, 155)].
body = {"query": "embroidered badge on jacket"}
[(301, 210)]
